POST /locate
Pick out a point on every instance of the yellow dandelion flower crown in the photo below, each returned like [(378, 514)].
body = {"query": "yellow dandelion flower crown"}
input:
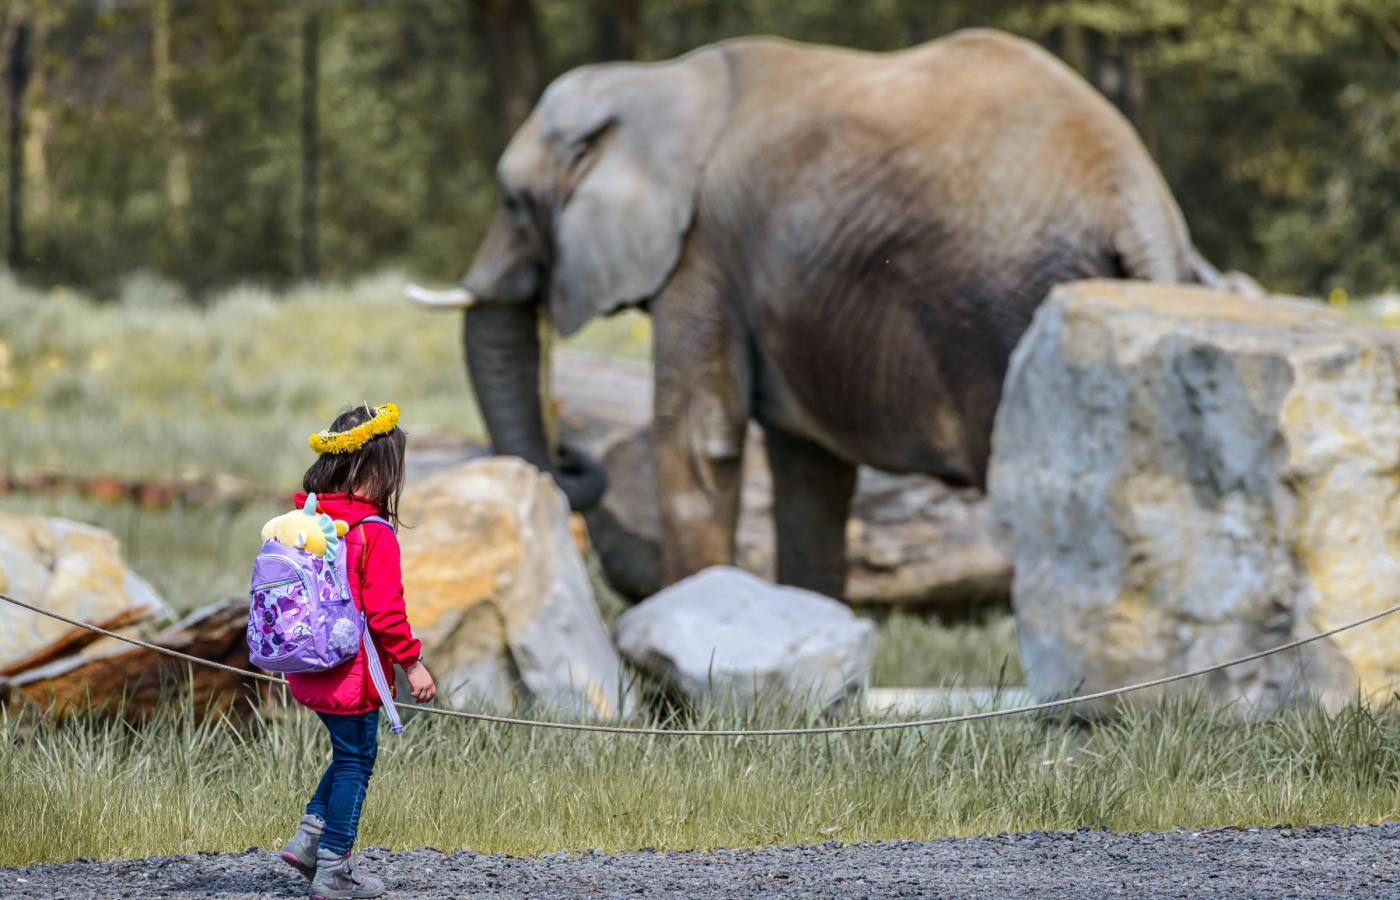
[(385, 418)]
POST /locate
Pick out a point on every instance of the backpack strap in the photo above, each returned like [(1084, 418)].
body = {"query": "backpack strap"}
[(376, 669), (381, 520)]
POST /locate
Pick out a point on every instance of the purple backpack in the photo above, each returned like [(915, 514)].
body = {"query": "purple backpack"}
[(302, 617)]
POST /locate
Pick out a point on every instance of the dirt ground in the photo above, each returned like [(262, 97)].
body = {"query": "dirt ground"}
[(1306, 862)]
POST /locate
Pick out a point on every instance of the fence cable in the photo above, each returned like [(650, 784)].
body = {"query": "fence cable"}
[(740, 732)]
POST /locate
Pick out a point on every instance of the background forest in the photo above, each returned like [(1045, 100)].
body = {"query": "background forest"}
[(278, 141)]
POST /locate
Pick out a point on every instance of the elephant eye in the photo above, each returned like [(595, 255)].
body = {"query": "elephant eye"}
[(514, 207), (585, 145)]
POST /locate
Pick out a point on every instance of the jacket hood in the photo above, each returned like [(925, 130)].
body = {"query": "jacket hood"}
[(348, 508)]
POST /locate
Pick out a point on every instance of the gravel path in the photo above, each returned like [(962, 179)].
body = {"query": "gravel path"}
[(1312, 862)]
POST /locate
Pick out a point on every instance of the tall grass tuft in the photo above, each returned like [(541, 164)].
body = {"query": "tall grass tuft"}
[(912, 650), (98, 788)]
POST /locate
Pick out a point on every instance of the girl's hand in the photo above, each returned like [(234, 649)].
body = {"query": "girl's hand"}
[(420, 682)]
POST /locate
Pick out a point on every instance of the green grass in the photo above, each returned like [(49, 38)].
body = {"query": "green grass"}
[(150, 387), (914, 651), (101, 790)]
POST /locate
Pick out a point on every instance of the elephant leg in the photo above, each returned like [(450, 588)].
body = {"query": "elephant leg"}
[(701, 416), (812, 491)]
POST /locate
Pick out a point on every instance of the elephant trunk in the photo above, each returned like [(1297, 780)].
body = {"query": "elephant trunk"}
[(503, 360)]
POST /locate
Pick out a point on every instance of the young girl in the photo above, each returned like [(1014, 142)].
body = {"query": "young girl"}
[(358, 474)]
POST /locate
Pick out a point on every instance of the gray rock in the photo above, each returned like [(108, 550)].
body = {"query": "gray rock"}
[(1183, 477), (497, 591), (727, 635), (1084, 865)]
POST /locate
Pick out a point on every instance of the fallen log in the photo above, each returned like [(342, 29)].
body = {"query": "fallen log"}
[(111, 674)]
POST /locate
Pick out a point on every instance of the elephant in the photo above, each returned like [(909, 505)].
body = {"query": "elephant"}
[(842, 246)]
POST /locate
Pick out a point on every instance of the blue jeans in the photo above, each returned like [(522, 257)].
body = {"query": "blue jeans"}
[(341, 793)]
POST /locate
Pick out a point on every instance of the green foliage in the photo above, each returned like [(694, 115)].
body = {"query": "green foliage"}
[(173, 785), (408, 174), (1275, 124), (232, 389)]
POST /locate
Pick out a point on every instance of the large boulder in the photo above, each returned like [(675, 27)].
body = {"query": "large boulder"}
[(911, 539), (727, 635), (498, 592), (72, 569), (1183, 477)]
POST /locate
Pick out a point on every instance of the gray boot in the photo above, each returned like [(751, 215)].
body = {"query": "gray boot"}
[(300, 852), (336, 879)]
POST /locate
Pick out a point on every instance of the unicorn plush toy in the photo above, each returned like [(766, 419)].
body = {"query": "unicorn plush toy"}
[(305, 529)]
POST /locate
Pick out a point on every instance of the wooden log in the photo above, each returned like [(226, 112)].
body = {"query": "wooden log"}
[(111, 674)]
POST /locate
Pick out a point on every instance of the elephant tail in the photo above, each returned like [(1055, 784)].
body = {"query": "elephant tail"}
[(1151, 242), (1204, 272), (1231, 282)]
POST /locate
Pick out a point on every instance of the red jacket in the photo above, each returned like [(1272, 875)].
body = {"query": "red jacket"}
[(377, 585)]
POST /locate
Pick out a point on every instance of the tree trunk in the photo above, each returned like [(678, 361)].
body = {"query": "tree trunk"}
[(1110, 60), (17, 73), (1127, 76), (1071, 45), (618, 28), (310, 146), (38, 126), (177, 169), (511, 42)]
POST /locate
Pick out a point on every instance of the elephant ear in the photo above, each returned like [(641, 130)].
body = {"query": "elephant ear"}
[(628, 144)]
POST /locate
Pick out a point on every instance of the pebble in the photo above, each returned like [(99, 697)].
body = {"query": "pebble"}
[(1316, 861)]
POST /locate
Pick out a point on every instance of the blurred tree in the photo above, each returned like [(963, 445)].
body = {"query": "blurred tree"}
[(17, 71), (512, 44), (177, 169), (38, 126), (310, 142), (213, 141), (619, 22)]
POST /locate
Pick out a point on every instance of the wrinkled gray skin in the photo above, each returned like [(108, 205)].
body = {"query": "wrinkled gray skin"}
[(843, 246)]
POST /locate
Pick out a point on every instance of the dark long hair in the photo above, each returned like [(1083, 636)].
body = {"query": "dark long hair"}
[(376, 468)]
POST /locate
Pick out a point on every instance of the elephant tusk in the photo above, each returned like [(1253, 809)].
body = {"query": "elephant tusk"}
[(458, 298)]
